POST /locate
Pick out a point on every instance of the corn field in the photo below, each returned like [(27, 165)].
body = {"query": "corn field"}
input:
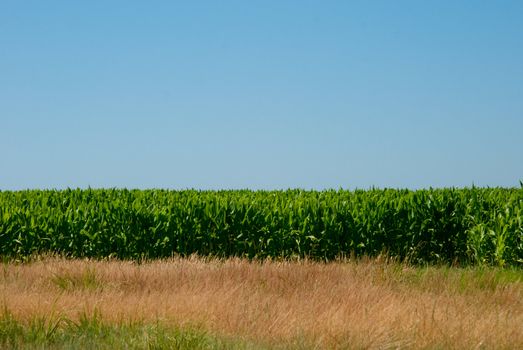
[(481, 226)]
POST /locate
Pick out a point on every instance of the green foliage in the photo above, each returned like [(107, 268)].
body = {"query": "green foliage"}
[(471, 225), (92, 332)]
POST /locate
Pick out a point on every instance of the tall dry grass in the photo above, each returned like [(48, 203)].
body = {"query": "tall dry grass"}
[(364, 304)]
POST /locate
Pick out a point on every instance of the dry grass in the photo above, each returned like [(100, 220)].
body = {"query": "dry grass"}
[(365, 304)]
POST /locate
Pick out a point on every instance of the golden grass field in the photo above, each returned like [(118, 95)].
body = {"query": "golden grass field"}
[(370, 303)]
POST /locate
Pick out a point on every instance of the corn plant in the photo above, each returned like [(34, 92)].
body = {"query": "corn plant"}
[(468, 226)]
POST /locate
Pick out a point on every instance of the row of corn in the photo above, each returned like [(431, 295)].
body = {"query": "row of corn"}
[(464, 226)]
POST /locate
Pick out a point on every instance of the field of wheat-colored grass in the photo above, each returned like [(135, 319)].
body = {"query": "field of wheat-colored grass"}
[(362, 304)]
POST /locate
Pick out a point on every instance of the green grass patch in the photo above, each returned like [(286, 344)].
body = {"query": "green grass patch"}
[(459, 279), (90, 332), (86, 280)]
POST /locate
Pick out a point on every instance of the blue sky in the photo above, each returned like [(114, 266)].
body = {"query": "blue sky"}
[(261, 94)]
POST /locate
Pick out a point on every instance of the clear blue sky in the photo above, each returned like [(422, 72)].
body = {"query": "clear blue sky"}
[(261, 94)]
